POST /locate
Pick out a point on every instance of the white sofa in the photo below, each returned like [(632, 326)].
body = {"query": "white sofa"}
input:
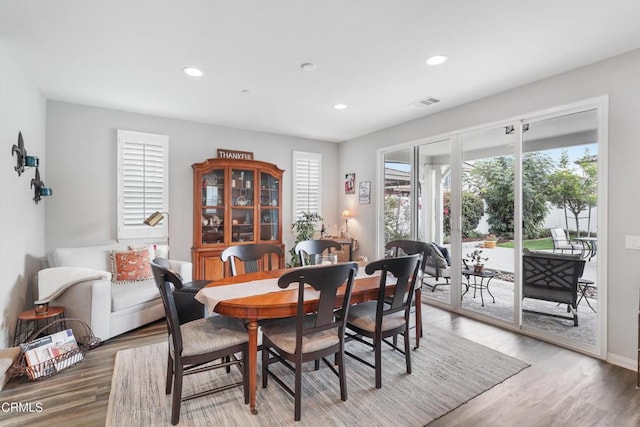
[(109, 309)]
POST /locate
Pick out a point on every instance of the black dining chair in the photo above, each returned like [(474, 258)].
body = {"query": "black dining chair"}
[(388, 316), (196, 346), (255, 257), (310, 336), (307, 249), (413, 247)]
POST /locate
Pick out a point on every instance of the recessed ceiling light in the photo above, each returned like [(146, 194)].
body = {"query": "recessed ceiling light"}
[(308, 66), (339, 106), (437, 60), (192, 71)]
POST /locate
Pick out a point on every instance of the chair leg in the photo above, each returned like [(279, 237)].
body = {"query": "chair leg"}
[(169, 382), (227, 359), (298, 392), (378, 359), (177, 395), (407, 350), (418, 295), (341, 374), (265, 364), (316, 364)]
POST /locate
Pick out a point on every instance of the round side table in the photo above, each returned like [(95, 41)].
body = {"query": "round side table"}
[(29, 322)]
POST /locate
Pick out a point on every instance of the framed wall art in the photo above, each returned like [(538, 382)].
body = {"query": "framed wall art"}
[(350, 183), (364, 192)]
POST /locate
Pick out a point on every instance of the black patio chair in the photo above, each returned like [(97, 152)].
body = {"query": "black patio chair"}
[(554, 278)]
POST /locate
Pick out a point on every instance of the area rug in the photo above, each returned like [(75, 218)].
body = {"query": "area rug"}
[(447, 372)]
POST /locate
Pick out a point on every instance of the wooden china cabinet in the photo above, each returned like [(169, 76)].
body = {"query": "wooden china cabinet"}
[(235, 202)]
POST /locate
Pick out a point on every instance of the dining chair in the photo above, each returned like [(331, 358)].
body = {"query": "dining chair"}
[(388, 316), (413, 247), (255, 257), (307, 249), (196, 346), (310, 336)]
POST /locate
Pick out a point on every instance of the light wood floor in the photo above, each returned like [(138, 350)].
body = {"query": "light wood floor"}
[(560, 387)]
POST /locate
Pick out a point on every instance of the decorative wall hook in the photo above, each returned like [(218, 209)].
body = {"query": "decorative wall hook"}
[(20, 153)]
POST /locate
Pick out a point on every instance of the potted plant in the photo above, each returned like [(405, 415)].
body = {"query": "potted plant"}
[(304, 227), (477, 259), (490, 241)]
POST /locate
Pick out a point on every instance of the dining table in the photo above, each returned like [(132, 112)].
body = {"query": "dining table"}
[(256, 297)]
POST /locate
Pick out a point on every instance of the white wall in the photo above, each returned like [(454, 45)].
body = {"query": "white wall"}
[(81, 146), (22, 108), (617, 77)]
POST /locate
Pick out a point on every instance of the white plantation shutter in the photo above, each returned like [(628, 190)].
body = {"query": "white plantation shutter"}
[(306, 185), (142, 183)]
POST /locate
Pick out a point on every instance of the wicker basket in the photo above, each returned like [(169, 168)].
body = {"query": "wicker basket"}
[(86, 341)]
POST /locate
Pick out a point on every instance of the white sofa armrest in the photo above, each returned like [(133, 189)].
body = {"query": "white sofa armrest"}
[(183, 268), (89, 301)]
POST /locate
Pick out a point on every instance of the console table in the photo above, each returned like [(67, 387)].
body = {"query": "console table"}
[(347, 248)]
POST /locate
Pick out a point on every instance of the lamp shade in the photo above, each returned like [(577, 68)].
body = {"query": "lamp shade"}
[(346, 213), (153, 219)]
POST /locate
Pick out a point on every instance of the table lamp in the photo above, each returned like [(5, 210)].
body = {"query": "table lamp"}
[(346, 215)]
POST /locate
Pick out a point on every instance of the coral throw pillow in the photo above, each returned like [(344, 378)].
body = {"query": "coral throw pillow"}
[(131, 266)]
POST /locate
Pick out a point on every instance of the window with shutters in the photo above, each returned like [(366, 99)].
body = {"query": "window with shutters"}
[(306, 183), (143, 183)]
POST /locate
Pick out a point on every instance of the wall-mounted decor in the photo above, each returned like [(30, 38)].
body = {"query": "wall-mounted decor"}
[(223, 153), (364, 192), (350, 183), (39, 189), (20, 152), (24, 161)]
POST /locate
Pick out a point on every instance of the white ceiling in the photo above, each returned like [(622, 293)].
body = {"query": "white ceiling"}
[(370, 55)]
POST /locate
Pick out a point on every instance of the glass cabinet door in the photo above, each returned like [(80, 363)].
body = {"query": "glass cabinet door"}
[(269, 207), (268, 224), (242, 202), (212, 215)]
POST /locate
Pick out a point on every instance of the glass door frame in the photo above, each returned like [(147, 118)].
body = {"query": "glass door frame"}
[(600, 104)]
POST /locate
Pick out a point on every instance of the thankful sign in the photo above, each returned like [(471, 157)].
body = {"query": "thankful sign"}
[(234, 154)]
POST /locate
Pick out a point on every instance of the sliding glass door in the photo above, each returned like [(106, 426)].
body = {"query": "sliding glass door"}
[(434, 212), (487, 195), (487, 221), (563, 191)]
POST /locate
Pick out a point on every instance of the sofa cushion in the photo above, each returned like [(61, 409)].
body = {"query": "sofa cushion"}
[(131, 266), (96, 257), (129, 294)]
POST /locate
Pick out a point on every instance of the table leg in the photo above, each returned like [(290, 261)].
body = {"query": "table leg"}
[(475, 286), (494, 298), (253, 364)]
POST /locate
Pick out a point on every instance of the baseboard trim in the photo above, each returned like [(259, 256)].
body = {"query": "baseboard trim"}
[(623, 362)]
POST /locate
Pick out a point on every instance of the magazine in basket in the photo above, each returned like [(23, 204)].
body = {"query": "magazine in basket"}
[(52, 353)]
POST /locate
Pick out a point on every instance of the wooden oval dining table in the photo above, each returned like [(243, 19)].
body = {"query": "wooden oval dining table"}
[(280, 304)]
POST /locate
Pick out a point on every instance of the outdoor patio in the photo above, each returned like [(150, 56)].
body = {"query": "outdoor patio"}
[(501, 287)]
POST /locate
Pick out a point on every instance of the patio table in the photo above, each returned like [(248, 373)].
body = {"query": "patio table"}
[(481, 275)]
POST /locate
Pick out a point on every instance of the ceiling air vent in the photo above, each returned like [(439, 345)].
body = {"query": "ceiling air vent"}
[(430, 100)]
